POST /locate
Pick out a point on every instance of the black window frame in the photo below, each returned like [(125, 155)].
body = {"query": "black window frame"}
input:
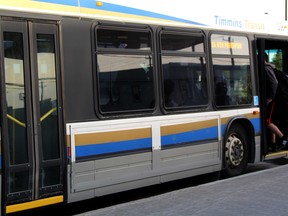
[(116, 51), (195, 54), (230, 56)]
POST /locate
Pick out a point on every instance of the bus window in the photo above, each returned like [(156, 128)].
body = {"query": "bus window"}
[(183, 70), (125, 70), (276, 57), (231, 66), (182, 43), (229, 45)]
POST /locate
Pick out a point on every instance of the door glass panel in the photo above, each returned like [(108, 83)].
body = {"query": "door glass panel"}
[(16, 110), (15, 97), (48, 96), (18, 181), (54, 176)]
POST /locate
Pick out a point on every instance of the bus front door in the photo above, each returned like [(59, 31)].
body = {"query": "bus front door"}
[(32, 149)]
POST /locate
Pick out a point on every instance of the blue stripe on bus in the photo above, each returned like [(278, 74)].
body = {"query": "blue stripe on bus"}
[(203, 134), (91, 4), (172, 139), (114, 147), (190, 136), (256, 123), (134, 11)]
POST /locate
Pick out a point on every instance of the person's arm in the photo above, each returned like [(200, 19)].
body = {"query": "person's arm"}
[(273, 83)]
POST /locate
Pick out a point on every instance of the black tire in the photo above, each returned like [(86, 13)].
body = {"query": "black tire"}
[(235, 152)]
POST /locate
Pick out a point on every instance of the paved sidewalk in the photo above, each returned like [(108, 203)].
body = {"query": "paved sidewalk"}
[(262, 193)]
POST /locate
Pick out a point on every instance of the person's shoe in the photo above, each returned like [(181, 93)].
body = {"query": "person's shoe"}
[(279, 146), (272, 147), (283, 143), (284, 147)]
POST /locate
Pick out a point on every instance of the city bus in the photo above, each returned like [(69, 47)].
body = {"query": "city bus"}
[(99, 97)]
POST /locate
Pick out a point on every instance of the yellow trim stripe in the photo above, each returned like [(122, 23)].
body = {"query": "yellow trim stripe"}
[(68, 140), (34, 204), (28, 4), (276, 155), (248, 116), (112, 136), (125, 135), (180, 128), (58, 8), (252, 115)]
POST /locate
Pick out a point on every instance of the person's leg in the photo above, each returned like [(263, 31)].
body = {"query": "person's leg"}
[(274, 129), (273, 145)]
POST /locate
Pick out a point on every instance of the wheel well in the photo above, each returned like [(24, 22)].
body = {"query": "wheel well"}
[(249, 133)]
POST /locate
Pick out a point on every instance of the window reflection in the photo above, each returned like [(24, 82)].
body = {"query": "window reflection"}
[(185, 82), (123, 39), (229, 45), (125, 82), (183, 70), (232, 79), (182, 43), (48, 96), (125, 70), (15, 97)]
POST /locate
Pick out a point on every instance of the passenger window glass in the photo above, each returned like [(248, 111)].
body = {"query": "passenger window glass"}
[(182, 43), (185, 81), (229, 45), (232, 81), (123, 39), (125, 82), (125, 71), (183, 71), (231, 65)]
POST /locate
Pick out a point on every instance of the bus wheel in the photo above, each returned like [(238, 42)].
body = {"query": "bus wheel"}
[(236, 152)]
